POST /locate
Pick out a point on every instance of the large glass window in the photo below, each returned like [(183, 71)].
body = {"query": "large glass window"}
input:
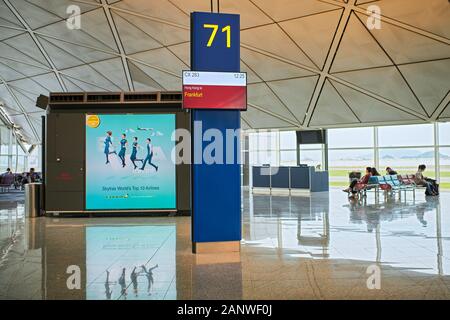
[(4, 138), (312, 158), (3, 163), (288, 140), (444, 162), (288, 158), (444, 133), (409, 135), (406, 160), (266, 157), (342, 162), (350, 138)]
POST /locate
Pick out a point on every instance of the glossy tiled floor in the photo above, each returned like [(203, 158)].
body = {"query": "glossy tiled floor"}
[(296, 247)]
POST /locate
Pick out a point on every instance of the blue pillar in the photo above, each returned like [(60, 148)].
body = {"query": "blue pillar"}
[(216, 188)]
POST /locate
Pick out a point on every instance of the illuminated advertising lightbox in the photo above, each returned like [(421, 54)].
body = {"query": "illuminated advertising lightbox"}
[(214, 90), (128, 162)]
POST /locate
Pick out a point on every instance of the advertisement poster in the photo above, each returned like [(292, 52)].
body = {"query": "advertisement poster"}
[(128, 162), (131, 262)]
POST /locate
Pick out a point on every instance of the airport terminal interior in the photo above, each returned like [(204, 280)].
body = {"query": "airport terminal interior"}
[(334, 87)]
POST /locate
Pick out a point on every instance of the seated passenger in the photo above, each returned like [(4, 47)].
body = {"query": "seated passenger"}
[(421, 180), (7, 172), (374, 172), (30, 177), (391, 172), (355, 183)]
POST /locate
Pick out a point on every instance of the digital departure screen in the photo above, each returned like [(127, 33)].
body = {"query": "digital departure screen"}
[(214, 90), (128, 162)]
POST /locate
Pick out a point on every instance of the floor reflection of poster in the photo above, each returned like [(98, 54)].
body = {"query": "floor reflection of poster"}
[(131, 262)]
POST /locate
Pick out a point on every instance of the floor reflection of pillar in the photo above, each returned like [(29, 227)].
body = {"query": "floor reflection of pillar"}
[(378, 240), (439, 240)]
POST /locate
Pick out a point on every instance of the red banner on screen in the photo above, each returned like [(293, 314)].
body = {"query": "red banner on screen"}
[(214, 97)]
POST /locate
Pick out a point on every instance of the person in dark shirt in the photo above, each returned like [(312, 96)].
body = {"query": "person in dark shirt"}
[(354, 184), (391, 172)]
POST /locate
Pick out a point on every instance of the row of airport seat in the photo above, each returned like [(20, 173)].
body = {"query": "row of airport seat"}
[(389, 183)]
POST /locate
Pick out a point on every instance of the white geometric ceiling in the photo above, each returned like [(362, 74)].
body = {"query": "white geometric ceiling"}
[(310, 63)]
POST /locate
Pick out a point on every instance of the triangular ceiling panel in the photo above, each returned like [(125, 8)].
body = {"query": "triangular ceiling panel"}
[(268, 68), (164, 79), (113, 71), (88, 75), (322, 25), (133, 38), (369, 109), (244, 124), (84, 86), (48, 81), (33, 15), (331, 109), (70, 85), (289, 9), (257, 38), (259, 119), (141, 80), (446, 113), (7, 72), (8, 100), (163, 59), (251, 16), (387, 82), (252, 77), (24, 43), (31, 96), (27, 103), (6, 51), (260, 94), (61, 58), (358, 50), (59, 7), (83, 52), (6, 33), (95, 32), (166, 34), (164, 10), (405, 46), (295, 93), (7, 17), (24, 69), (30, 86), (430, 15), (182, 51), (429, 80)]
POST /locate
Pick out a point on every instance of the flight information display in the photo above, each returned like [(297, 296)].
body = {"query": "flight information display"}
[(214, 90)]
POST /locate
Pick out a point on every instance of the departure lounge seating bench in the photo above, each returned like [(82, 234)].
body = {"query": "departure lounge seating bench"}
[(389, 183), (6, 182)]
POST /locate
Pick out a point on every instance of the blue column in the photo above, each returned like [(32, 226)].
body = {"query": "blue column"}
[(216, 188)]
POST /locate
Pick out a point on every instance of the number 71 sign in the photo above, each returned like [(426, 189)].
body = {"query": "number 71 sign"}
[(215, 38)]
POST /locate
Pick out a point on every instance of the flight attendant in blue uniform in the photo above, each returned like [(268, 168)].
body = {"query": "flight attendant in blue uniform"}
[(123, 149), (149, 155), (133, 156), (108, 143)]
